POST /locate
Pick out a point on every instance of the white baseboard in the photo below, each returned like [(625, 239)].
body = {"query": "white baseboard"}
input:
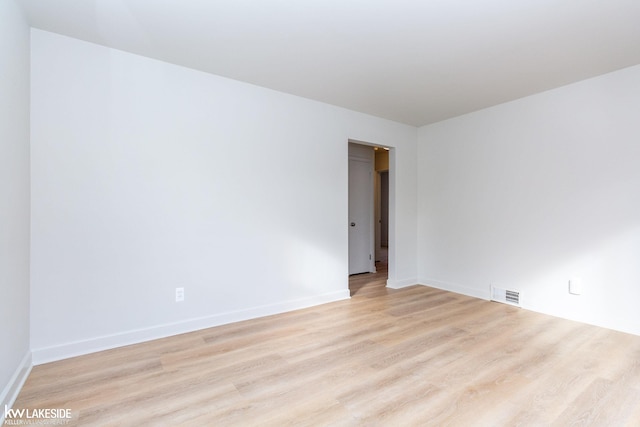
[(12, 389), (398, 284), (459, 289), (78, 348)]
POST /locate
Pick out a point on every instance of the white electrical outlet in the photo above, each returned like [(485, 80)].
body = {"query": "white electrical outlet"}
[(179, 294), (575, 286)]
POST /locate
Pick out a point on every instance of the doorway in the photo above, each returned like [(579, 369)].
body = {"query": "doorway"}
[(369, 206)]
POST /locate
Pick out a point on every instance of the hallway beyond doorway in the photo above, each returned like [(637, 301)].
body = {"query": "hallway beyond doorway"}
[(371, 284)]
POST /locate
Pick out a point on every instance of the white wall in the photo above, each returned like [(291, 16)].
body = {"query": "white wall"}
[(531, 193), (14, 201), (402, 197), (148, 176)]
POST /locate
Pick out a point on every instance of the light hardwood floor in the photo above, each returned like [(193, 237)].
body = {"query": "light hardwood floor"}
[(415, 356)]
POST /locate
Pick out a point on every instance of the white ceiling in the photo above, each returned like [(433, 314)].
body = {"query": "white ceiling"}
[(412, 61)]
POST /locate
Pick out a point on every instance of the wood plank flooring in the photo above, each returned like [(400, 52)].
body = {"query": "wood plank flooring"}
[(415, 356)]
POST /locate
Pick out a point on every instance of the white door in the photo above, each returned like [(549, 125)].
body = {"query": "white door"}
[(360, 216)]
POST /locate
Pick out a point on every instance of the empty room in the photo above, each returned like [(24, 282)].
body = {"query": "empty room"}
[(320, 213)]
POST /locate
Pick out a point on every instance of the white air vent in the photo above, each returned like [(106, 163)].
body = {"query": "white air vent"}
[(506, 296)]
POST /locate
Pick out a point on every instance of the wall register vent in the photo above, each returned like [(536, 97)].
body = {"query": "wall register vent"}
[(506, 296)]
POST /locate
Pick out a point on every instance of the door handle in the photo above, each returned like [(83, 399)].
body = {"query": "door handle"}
[(353, 224)]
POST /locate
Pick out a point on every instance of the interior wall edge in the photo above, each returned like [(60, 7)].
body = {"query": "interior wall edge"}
[(403, 283), (93, 345), (12, 389), (456, 288)]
